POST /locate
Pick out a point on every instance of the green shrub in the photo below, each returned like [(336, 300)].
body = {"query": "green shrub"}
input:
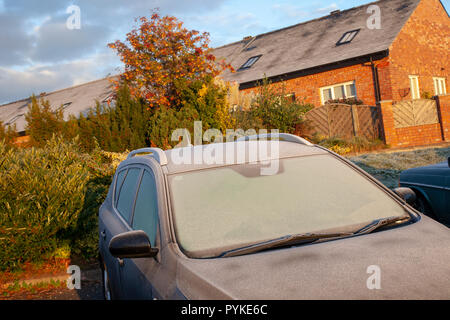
[(165, 120), (350, 101), (246, 119), (42, 121), (200, 100), (49, 197), (8, 134), (116, 128), (274, 108)]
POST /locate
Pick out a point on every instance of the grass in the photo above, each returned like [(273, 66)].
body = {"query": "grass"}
[(344, 146), (386, 167), (24, 288), (30, 270)]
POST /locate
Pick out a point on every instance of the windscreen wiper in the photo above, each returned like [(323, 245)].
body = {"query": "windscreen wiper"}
[(384, 222), (306, 238), (296, 239)]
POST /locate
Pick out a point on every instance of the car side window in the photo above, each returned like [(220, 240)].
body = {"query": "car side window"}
[(146, 209), (127, 193), (119, 181)]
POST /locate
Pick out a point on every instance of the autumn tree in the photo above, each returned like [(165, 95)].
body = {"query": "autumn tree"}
[(161, 51)]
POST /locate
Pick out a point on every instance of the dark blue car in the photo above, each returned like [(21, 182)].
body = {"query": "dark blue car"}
[(432, 187)]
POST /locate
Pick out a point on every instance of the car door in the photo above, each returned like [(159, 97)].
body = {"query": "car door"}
[(116, 220), (137, 274)]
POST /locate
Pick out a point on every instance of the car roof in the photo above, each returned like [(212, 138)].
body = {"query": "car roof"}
[(231, 153)]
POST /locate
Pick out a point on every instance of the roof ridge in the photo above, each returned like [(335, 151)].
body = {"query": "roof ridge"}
[(60, 90), (305, 22)]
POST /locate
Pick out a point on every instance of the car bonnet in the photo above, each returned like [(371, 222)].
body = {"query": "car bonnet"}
[(413, 263)]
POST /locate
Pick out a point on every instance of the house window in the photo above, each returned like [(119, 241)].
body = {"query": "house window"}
[(348, 37), (414, 82), (63, 106), (250, 62), (439, 86), (338, 91), (291, 96)]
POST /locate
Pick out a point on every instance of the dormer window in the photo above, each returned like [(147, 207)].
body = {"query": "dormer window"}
[(13, 119), (65, 105), (108, 100), (348, 37), (250, 62)]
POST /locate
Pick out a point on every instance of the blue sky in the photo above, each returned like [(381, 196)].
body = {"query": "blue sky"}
[(39, 54)]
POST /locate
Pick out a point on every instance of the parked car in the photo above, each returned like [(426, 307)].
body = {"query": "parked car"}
[(316, 228), (432, 186)]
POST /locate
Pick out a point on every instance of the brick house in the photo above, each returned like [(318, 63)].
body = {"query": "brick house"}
[(344, 54)]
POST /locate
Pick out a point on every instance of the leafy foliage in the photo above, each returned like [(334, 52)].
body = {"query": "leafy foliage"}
[(49, 197), (350, 101), (42, 121), (344, 146), (273, 108), (8, 134), (117, 128), (201, 100), (161, 51)]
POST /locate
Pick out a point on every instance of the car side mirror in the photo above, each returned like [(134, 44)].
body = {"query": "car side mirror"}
[(132, 244), (406, 194)]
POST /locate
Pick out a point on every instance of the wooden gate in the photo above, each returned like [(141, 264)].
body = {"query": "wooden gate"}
[(346, 121)]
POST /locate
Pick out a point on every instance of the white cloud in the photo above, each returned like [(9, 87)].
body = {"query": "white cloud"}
[(19, 84), (290, 11), (328, 9)]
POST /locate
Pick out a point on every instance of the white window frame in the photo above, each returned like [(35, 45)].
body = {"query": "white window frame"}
[(347, 96), (439, 86), (414, 95)]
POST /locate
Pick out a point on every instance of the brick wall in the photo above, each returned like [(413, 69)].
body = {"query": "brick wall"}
[(421, 48), (416, 135), (308, 87), (444, 115)]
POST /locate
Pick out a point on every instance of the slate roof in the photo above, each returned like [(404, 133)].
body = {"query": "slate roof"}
[(312, 44), (81, 98)]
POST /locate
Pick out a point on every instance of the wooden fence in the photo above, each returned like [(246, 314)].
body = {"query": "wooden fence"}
[(411, 113), (346, 121)]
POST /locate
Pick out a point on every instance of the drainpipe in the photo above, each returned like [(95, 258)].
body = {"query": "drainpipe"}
[(376, 82)]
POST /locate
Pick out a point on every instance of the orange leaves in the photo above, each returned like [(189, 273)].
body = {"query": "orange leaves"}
[(158, 52)]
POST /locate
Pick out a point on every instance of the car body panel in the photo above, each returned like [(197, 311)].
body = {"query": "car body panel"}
[(433, 183)]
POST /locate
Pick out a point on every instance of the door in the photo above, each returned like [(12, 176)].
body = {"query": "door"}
[(137, 275), (116, 219)]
